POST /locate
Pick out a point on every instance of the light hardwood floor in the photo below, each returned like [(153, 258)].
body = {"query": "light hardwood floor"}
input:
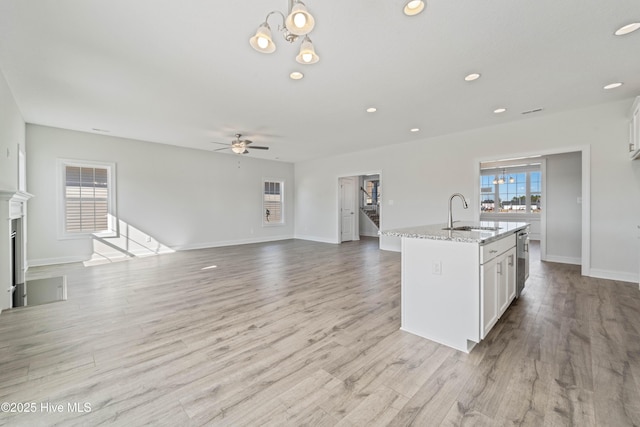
[(303, 333)]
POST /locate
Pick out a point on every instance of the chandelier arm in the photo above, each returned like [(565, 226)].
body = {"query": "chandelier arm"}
[(280, 27)]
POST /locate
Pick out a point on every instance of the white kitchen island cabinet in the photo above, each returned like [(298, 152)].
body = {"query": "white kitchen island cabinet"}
[(457, 284)]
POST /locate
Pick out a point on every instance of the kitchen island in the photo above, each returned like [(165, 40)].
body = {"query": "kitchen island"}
[(456, 283)]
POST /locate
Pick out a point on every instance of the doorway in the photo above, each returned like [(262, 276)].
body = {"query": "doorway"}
[(348, 217), (570, 196), (359, 206)]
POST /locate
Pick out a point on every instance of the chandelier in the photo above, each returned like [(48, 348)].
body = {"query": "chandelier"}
[(298, 22), (501, 179)]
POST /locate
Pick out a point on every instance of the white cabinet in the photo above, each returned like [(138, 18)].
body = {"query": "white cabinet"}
[(455, 284), (489, 296), (497, 282), (634, 130)]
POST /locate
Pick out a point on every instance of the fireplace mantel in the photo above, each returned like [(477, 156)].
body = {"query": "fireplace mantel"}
[(12, 207)]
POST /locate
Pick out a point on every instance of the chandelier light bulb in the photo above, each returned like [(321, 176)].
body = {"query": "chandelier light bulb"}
[(263, 43), (299, 20), (307, 53)]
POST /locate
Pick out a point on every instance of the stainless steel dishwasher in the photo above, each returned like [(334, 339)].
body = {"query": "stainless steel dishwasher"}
[(522, 268)]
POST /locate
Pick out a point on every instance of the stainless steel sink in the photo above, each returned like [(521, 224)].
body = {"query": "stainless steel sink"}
[(472, 228)]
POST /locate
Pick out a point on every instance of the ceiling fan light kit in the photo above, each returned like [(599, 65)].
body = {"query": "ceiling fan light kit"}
[(240, 146)]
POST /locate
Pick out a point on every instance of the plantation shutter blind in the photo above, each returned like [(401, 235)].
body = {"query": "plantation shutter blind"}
[(86, 199)]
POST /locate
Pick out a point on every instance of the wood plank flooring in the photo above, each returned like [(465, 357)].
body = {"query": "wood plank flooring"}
[(297, 333)]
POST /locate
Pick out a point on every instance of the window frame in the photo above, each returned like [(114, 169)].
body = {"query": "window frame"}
[(112, 221), (264, 221), (513, 170)]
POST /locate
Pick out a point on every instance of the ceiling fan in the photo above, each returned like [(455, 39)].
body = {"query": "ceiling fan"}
[(240, 146)]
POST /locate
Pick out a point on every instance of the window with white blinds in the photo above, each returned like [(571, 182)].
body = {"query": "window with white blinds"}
[(88, 198), (272, 202)]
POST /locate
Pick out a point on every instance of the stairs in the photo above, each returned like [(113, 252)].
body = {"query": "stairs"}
[(373, 216)]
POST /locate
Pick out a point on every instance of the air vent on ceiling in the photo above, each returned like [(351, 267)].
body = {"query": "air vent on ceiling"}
[(532, 111)]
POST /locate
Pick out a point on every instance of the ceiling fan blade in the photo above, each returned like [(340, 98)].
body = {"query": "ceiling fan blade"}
[(245, 152), (258, 147), (247, 141), (220, 143), (220, 149)]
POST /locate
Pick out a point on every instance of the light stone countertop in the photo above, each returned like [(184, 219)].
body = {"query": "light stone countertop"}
[(436, 232)]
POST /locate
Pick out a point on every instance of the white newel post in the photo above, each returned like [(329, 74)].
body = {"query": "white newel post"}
[(13, 206)]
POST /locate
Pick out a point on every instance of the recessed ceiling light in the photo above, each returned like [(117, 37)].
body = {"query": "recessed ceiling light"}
[(471, 77), (372, 110), (415, 130), (499, 110), (413, 7), (612, 85), (296, 75), (629, 28)]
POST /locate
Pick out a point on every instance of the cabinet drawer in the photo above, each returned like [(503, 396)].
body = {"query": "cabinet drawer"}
[(493, 249)]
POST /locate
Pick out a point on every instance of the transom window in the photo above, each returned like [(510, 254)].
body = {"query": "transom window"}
[(511, 190), (272, 202), (88, 198)]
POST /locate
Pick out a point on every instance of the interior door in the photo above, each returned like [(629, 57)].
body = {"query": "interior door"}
[(347, 209)]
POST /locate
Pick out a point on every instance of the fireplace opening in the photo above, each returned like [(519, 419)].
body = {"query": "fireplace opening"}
[(17, 285)]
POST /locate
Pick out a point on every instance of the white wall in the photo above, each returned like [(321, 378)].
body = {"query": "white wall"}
[(420, 176), (12, 134), (183, 198), (564, 213)]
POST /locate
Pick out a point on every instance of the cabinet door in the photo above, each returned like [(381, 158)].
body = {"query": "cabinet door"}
[(506, 270), (512, 262), (488, 296), (501, 279)]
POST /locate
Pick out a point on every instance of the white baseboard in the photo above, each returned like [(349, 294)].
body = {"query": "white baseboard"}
[(614, 275), (370, 234), (316, 239), (230, 243), (563, 259), (53, 261)]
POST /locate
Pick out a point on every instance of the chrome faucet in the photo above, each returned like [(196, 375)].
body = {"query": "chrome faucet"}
[(464, 204)]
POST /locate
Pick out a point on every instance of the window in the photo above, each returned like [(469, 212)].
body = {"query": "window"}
[(371, 192), (88, 199), (514, 190), (272, 202)]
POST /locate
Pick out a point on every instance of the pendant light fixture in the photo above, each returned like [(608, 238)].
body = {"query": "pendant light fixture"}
[(298, 22), (501, 179)]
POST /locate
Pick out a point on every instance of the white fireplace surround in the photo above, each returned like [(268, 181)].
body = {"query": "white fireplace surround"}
[(13, 205)]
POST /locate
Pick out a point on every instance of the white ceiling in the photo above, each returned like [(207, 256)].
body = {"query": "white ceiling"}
[(183, 73)]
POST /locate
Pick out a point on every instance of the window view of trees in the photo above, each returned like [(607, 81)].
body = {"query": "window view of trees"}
[(510, 192)]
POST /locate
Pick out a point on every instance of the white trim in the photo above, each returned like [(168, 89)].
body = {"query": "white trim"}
[(563, 259), (230, 243), (543, 212), (586, 210), (316, 239), (111, 186), (614, 275), (61, 260), (585, 151), (338, 234)]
